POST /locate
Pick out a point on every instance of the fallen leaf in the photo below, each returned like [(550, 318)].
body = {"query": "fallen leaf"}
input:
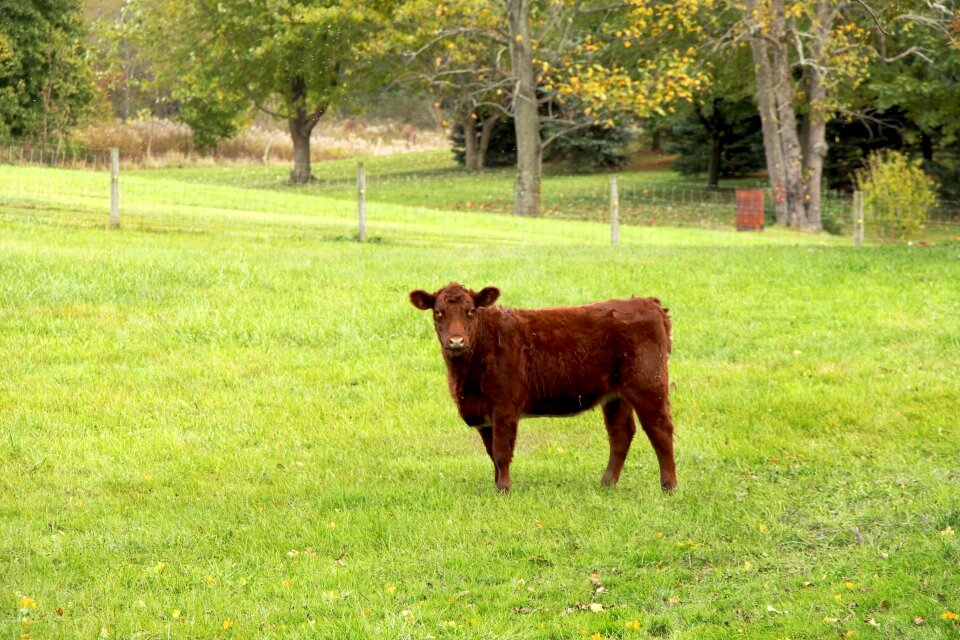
[(949, 615), (596, 607), (918, 621)]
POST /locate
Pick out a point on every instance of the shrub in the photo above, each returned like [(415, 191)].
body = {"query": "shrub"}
[(897, 194)]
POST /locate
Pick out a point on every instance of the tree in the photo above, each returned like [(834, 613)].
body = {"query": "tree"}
[(719, 137), (807, 55), (456, 54), (538, 39), (922, 96), (45, 80), (291, 59)]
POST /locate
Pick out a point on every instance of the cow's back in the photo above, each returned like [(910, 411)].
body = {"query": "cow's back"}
[(570, 358)]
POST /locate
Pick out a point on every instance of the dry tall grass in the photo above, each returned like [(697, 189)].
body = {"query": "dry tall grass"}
[(163, 143)]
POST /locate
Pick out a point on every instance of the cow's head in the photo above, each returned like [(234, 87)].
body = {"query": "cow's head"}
[(455, 314)]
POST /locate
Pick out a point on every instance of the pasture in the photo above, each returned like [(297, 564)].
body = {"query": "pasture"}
[(233, 424)]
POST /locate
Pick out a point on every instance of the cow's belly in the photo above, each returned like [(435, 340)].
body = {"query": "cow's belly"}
[(564, 405)]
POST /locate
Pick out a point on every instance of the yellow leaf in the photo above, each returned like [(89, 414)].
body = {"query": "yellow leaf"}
[(227, 623), (763, 528), (949, 615)]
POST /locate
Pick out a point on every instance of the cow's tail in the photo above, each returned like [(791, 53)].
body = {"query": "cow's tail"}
[(667, 327)]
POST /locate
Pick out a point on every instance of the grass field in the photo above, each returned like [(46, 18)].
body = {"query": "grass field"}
[(231, 423), (431, 179)]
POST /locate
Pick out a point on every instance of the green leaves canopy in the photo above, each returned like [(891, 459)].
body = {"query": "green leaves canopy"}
[(45, 81), (289, 58)]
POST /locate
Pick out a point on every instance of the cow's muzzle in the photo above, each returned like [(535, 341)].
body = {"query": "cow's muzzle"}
[(455, 345)]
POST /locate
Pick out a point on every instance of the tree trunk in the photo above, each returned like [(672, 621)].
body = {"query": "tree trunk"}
[(785, 99), (926, 146), (471, 160), (486, 132), (813, 165), (301, 124), (769, 122), (526, 116), (300, 134), (815, 145), (713, 169)]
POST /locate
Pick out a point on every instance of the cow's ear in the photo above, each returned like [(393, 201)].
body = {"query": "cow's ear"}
[(486, 296), (422, 300)]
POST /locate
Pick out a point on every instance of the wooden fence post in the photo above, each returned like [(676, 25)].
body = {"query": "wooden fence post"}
[(114, 187), (361, 203), (857, 218), (614, 212)]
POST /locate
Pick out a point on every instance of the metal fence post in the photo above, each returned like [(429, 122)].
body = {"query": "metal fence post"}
[(114, 187), (857, 218), (614, 212), (362, 203)]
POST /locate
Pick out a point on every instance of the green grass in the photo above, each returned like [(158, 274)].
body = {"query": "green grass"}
[(431, 179), (227, 411)]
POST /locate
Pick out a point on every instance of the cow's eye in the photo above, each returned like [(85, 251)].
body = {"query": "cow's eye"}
[(471, 312), (438, 314)]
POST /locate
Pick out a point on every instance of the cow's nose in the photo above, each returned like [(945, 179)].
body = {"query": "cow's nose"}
[(455, 343)]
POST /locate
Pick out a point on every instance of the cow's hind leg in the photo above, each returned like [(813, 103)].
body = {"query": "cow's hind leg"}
[(618, 416), (655, 419), (486, 433)]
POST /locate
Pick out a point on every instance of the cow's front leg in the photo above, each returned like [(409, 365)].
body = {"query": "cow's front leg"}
[(504, 438), (486, 433)]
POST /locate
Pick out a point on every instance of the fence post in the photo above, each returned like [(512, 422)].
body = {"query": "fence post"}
[(614, 212), (114, 187), (361, 203), (857, 218)]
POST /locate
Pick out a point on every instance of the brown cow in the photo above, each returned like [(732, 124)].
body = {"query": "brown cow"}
[(505, 364)]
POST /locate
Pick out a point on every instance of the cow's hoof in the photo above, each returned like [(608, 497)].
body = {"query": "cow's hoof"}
[(503, 487), (668, 487), (608, 480)]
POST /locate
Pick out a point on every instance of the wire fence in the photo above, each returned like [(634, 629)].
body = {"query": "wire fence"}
[(71, 185)]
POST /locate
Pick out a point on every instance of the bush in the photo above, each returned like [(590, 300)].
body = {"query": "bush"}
[(897, 194)]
